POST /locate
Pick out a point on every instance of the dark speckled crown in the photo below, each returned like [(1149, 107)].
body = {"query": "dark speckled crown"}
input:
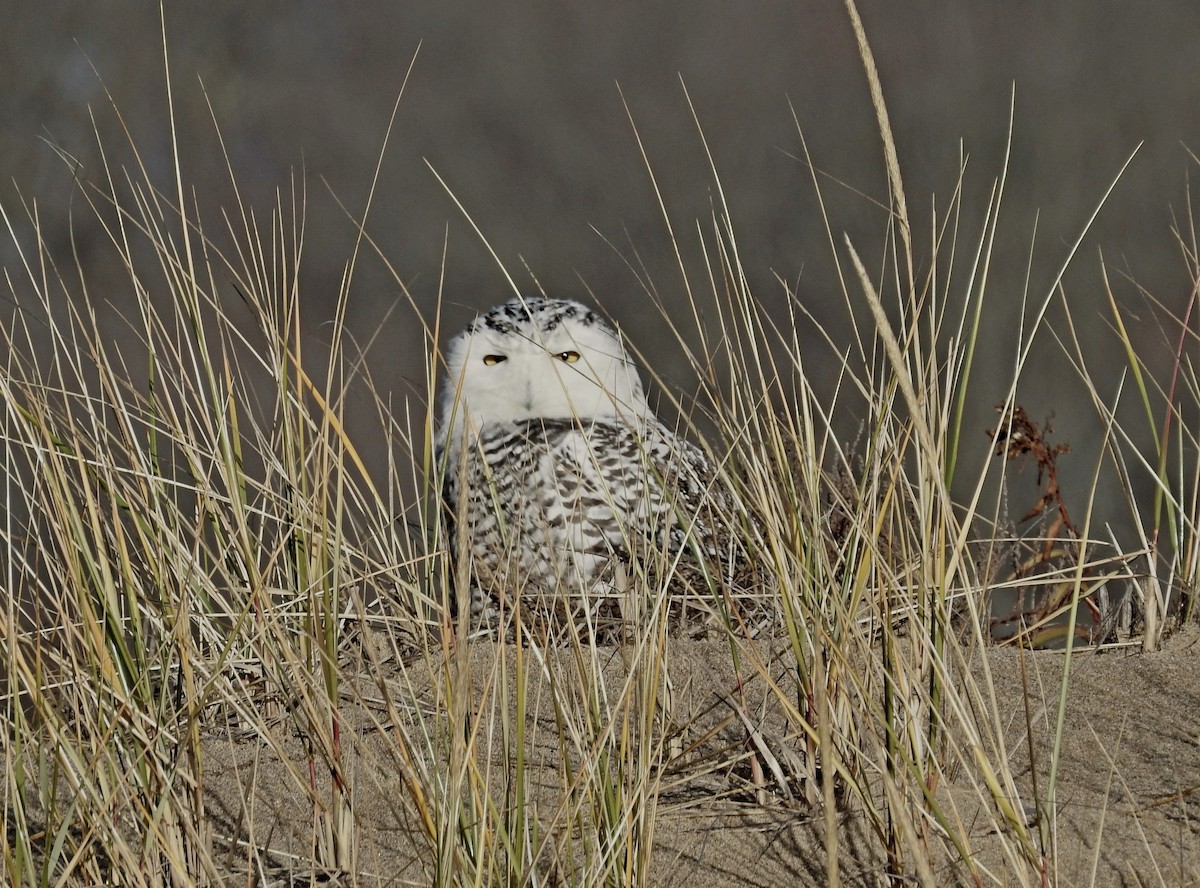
[(543, 314)]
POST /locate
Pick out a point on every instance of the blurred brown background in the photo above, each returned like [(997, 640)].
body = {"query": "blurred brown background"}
[(517, 106)]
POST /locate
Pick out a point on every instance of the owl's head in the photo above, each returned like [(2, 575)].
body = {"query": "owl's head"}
[(536, 359)]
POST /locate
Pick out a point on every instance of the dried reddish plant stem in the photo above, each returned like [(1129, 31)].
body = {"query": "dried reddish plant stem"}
[(1019, 438)]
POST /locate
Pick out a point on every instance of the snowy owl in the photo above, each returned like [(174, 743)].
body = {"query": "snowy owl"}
[(557, 471)]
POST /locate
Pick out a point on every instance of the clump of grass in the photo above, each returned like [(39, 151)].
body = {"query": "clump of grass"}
[(206, 585), (1168, 529), (180, 510)]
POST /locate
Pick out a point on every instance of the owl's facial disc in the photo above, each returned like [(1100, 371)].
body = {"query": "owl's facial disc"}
[(548, 359)]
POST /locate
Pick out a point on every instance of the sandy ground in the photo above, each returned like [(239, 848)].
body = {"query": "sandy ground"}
[(1128, 780)]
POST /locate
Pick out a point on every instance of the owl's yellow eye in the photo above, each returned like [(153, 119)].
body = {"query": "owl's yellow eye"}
[(568, 357), (492, 360)]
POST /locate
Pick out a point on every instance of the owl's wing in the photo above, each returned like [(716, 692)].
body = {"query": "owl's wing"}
[(632, 485), (701, 503)]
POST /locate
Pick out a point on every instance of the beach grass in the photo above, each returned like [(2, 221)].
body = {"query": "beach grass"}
[(228, 644)]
